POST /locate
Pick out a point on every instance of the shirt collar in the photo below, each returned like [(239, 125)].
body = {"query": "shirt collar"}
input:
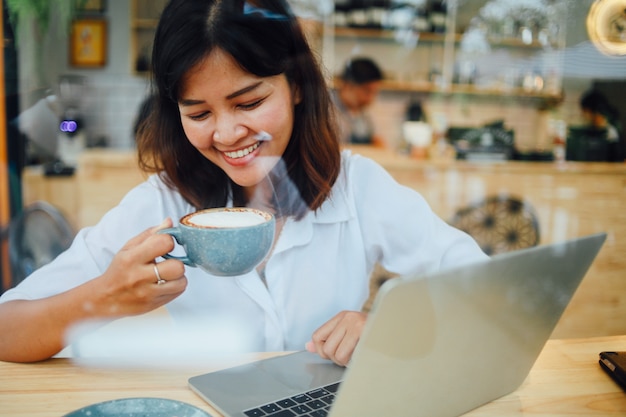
[(336, 209)]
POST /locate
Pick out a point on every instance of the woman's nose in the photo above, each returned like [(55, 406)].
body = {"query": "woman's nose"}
[(228, 131)]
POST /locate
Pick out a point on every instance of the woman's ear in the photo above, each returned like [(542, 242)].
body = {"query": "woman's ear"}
[(296, 94)]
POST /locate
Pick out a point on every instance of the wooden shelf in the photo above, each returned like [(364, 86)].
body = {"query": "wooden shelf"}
[(144, 20), (142, 26), (390, 35), (547, 98), (383, 34), (469, 89), (377, 38)]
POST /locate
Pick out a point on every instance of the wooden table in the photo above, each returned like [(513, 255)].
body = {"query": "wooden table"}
[(566, 380)]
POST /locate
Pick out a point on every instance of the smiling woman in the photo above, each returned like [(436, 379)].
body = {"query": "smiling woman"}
[(274, 80), (241, 116)]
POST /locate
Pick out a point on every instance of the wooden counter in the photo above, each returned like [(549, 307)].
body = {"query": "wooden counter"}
[(571, 199), (100, 182), (566, 380)]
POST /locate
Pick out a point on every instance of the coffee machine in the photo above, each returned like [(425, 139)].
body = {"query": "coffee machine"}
[(72, 135)]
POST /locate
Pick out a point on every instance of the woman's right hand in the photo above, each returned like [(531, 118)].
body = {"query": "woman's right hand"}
[(130, 283), (38, 329)]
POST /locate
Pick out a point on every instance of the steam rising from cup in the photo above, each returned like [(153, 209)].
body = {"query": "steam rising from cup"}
[(263, 136), (156, 340)]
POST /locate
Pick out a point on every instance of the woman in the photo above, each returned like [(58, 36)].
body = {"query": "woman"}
[(228, 74)]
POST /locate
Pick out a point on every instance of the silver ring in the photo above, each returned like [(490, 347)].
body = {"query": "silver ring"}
[(159, 279)]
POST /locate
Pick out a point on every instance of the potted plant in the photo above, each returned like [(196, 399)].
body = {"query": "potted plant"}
[(38, 14)]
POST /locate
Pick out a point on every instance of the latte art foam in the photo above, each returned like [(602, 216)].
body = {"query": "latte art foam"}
[(226, 219)]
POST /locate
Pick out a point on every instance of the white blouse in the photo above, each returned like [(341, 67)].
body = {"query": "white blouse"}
[(320, 264)]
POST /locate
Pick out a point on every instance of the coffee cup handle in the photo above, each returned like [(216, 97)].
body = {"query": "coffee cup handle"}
[(176, 234)]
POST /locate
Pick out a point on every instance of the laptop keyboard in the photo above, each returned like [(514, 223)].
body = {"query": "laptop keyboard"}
[(314, 403)]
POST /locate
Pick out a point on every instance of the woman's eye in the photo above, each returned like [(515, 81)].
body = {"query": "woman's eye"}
[(250, 106), (199, 116)]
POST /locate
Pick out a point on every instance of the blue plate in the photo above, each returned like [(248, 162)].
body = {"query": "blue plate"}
[(140, 407)]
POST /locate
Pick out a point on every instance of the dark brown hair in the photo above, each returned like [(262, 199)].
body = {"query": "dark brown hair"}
[(266, 39)]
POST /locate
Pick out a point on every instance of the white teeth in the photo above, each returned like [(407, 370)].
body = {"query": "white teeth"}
[(242, 152)]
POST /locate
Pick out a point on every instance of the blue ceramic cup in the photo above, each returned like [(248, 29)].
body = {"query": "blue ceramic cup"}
[(226, 241)]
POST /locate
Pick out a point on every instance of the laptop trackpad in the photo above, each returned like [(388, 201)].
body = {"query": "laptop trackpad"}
[(249, 385)]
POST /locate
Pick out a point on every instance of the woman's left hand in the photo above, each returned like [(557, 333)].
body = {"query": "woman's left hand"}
[(337, 338)]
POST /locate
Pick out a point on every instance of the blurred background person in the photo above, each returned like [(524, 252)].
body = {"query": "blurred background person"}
[(599, 113), (356, 89)]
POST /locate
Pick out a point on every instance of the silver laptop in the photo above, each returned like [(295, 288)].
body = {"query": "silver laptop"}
[(436, 345)]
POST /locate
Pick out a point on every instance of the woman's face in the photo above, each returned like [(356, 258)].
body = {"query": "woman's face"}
[(223, 109)]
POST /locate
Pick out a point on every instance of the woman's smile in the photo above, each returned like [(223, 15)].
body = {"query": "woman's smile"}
[(241, 156), (239, 121)]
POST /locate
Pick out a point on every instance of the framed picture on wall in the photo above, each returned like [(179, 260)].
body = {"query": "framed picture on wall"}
[(88, 43), (92, 6)]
